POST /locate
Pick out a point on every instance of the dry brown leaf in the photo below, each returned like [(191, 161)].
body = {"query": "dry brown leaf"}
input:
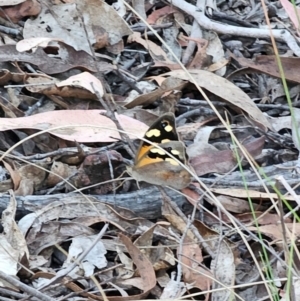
[(13, 247), (253, 194), (72, 118), (161, 257), (144, 267), (71, 207), (176, 221), (155, 51), (161, 12), (20, 9), (192, 269), (293, 12), (168, 85), (274, 231), (225, 90), (34, 43), (236, 205), (66, 22), (223, 161), (7, 76), (59, 169), (262, 218), (53, 232), (67, 58), (84, 80), (14, 174), (267, 64), (223, 264)]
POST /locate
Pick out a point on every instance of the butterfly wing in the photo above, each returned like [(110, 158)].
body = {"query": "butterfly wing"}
[(158, 168), (161, 131)]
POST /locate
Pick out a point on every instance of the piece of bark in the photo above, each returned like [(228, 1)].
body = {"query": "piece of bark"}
[(144, 203)]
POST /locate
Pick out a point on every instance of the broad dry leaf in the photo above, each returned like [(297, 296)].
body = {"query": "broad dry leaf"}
[(84, 80), (74, 207), (11, 229), (167, 85), (222, 266), (253, 194), (192, 266), (268, 64), (114, 25), (52, 232), (65, 22), (9, 258), (66, 58), (78, 24), (235, 205), (10, 2), (222, 161), (274, 231), (176, 220), (59, 171), (262, 218), (15, 13), (34, 43), (126, 271), (224, 271), (292, 11), (160, 256), (281, 122), (216, 50), (13, 247), (95, 257), (7, 76), (156, 52), (225, 90), (144, 267), (98, 127)]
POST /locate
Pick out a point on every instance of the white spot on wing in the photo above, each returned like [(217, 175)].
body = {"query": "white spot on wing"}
[(169, 128), (172, 161), (153, 132)]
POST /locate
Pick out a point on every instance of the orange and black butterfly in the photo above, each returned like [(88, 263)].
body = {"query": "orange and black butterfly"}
[(154, 165)]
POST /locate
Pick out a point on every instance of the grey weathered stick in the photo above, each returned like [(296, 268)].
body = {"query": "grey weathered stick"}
[(204, 22), (22, 286)]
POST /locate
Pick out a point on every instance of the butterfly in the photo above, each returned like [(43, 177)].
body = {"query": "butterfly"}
[(154, 165)]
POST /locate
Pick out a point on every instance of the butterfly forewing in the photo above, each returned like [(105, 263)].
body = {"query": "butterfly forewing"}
[(153, 163), (161, 131)]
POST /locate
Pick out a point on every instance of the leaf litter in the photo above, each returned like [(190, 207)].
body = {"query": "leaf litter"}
[(73, 84)]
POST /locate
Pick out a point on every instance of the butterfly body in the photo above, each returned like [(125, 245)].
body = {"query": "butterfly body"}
[(153, 163)]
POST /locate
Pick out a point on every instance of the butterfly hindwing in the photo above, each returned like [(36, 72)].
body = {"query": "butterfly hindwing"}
[(162, 153), (157, 167)]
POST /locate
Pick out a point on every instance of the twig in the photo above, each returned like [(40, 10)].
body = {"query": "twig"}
[(129, 81), (34, 107), (196, 33), (110, 114), (140, 27), (9, 30), (195, 112), (204, 22), (29, 290), (222, 16), (8, 292)]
